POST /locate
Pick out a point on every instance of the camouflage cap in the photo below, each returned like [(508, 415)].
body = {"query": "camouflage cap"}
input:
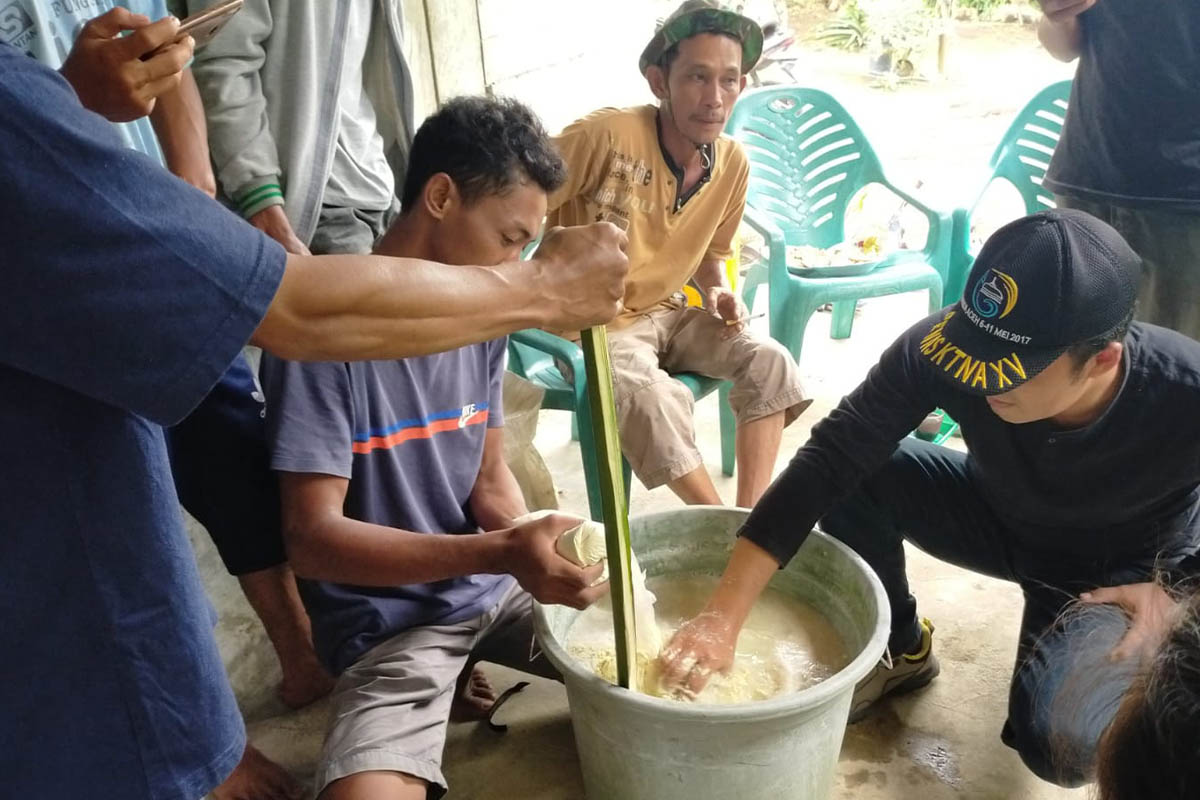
[(694, 17)]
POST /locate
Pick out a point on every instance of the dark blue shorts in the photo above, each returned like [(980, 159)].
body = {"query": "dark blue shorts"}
[(223, 476)]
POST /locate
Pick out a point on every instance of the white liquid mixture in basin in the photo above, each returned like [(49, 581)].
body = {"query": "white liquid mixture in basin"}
[(785, 646)]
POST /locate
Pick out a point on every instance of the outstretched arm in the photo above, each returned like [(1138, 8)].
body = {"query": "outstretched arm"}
[(336, 308), (705, 644)]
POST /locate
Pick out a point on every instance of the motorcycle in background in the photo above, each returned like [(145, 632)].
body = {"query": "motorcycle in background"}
[(780, 49), (779, 56)]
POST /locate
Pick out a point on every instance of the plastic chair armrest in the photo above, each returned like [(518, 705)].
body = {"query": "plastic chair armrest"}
[(776, 242), (553, 346), (937, 243)]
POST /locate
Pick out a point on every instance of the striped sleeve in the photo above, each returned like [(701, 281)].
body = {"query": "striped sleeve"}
[(257, 195)]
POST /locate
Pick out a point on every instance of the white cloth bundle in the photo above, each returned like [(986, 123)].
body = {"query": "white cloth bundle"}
[(584, 545)]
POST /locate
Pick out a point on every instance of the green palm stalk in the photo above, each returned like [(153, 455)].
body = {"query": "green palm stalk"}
[(594, 342)]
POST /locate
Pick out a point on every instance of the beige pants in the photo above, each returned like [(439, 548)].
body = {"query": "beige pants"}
[(655, 411), (392, 706)]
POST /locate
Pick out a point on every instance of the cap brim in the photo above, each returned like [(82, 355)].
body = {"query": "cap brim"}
[(976, 363)]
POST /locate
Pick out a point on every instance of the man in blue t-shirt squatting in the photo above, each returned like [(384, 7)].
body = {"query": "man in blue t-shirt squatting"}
[(398, 506)]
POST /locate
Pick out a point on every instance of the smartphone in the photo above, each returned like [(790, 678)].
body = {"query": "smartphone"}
[(206, 24)]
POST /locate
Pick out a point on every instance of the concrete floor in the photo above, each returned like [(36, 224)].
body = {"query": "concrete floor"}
[(942, 742)]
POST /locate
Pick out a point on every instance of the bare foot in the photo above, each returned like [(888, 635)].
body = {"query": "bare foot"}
[(257, 777), (475, 697), (304, 681)]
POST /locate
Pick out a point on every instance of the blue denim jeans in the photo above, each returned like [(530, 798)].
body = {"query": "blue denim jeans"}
[(1064, 691)]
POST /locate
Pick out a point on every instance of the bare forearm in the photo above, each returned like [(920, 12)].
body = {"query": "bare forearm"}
[(335, 308), (1063, 39), (497, 500), (749, 570), (710, 275), (350, 551), (347, 308), (178, 120)]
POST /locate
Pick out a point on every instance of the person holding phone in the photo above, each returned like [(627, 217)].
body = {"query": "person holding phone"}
[(139, 81), (118, 316), (129, 65)]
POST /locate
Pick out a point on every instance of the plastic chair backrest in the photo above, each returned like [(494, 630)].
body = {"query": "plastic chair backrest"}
[(1023, 155), (808, 158), (527, 362)]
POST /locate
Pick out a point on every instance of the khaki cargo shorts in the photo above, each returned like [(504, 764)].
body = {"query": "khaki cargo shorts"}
[(655, 411), (392, 706)]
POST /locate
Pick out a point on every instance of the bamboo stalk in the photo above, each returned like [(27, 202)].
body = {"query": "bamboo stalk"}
[(594, 342)]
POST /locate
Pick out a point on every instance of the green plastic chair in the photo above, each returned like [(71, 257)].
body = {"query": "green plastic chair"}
[(1021, 158), (808, 159), (532, 354)]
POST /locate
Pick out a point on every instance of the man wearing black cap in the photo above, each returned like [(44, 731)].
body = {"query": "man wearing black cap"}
[(1082, 472)]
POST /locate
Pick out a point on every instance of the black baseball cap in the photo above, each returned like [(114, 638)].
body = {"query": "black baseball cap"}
[(1039, 285)]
